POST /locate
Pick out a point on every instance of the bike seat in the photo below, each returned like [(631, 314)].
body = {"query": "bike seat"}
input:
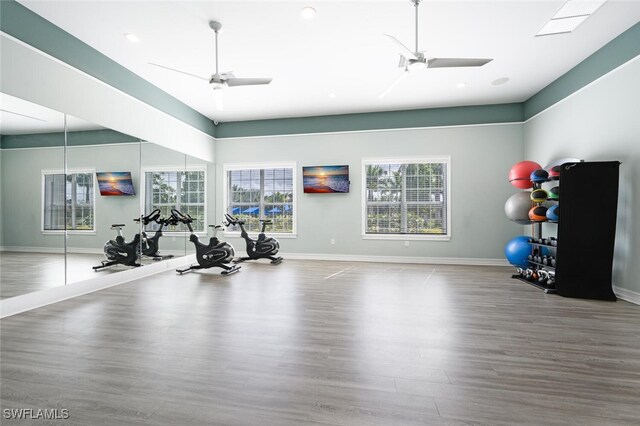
[(117, 225)]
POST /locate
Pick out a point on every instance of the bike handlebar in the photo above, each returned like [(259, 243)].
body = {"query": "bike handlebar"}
[(181, 217)]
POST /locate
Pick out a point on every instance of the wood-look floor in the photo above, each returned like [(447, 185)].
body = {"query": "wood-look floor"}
[(22, 272), (309, 342)]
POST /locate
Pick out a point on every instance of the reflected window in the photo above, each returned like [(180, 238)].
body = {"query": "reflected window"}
[(68, 201), (254, 193), (176, 189)]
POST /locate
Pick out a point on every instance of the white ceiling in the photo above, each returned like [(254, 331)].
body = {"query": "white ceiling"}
[(18, 117), (341, 51)]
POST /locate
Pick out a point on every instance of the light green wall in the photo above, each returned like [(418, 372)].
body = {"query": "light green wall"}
[(600, 123), (480, 159), (22, 196)]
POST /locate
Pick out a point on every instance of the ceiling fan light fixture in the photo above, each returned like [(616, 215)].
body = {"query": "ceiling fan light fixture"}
[(500, 81), (308, 13), (417, 64)]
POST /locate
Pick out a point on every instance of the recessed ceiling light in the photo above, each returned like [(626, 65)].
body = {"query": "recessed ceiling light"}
[(308, 12), (500, 81), (132, 38), (332, 95), (461, 85)]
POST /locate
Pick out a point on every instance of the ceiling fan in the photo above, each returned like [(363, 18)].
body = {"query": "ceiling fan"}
[(219, 80), (416, 60)]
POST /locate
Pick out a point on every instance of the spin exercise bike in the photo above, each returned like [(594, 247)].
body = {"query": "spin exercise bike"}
[(150, 246), (216, 254), (119, 252), (262, 248)]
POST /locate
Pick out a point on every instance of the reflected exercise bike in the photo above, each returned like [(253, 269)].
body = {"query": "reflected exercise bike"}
[(262, 248), (150, 246), (120, 252), (217, 254)]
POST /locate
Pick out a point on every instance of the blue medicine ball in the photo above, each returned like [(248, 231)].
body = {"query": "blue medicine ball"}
[(539, 176), (553, 212), (517, 251)]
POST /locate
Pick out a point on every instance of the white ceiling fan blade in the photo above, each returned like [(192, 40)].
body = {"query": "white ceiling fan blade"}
[(231, 82), (181, 72), (394, 84), (405, 51), (456, 62), (219, 96)]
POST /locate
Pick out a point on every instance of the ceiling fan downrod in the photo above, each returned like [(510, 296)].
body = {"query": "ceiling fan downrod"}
[(416, 3)]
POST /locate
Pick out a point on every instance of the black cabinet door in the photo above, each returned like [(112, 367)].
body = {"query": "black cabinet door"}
[(586, 229)]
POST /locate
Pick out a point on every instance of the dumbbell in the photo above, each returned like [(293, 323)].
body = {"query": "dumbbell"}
[(553, 241), (542, 276), (553, 262)]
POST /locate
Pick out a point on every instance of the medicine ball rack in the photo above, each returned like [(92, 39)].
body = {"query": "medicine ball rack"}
[(585, 232)]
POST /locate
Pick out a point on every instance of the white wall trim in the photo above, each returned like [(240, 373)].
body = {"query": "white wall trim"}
[(74, 146), (21, 249), (37, 299), (582, 88), (397, 259), (78, 250), (343, 132), (628, 295)]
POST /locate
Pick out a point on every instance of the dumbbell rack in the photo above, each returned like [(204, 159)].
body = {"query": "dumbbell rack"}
[(585, 231), (536, 242)]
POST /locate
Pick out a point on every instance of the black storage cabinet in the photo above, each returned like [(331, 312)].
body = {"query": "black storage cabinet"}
[(587, 229)]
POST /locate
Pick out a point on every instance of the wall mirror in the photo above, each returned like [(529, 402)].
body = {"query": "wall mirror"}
[(102, 193), (32, 197)]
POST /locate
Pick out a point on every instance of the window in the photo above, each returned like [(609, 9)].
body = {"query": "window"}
[(407, 198), (176, 189), (68, 201), (262, 192)]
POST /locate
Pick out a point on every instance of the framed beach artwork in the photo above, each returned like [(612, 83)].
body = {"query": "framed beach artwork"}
[(115, 183), (325, 179)]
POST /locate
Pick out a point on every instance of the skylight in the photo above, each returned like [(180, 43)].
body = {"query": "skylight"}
[(570, 16)]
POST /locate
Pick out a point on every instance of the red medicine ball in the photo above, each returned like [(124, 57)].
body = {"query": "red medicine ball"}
[(520, 174)]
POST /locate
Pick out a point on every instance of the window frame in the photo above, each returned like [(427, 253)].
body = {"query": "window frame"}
[(190, 168), (406, 160), (67, 172), (227, 167)]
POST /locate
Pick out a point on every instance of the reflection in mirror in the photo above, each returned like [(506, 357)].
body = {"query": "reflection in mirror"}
[(32, 197), (198, 199), (102, 193), (162, 188)]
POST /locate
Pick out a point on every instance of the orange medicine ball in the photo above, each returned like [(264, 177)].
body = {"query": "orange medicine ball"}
[(538, 214)]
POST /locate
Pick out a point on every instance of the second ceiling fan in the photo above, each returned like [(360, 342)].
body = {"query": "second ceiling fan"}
[(416, 60)]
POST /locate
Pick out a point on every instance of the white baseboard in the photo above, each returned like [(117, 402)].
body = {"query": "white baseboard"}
[(21, 249), (37, 299), (397, 259), (80, 250), (628, 295)]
